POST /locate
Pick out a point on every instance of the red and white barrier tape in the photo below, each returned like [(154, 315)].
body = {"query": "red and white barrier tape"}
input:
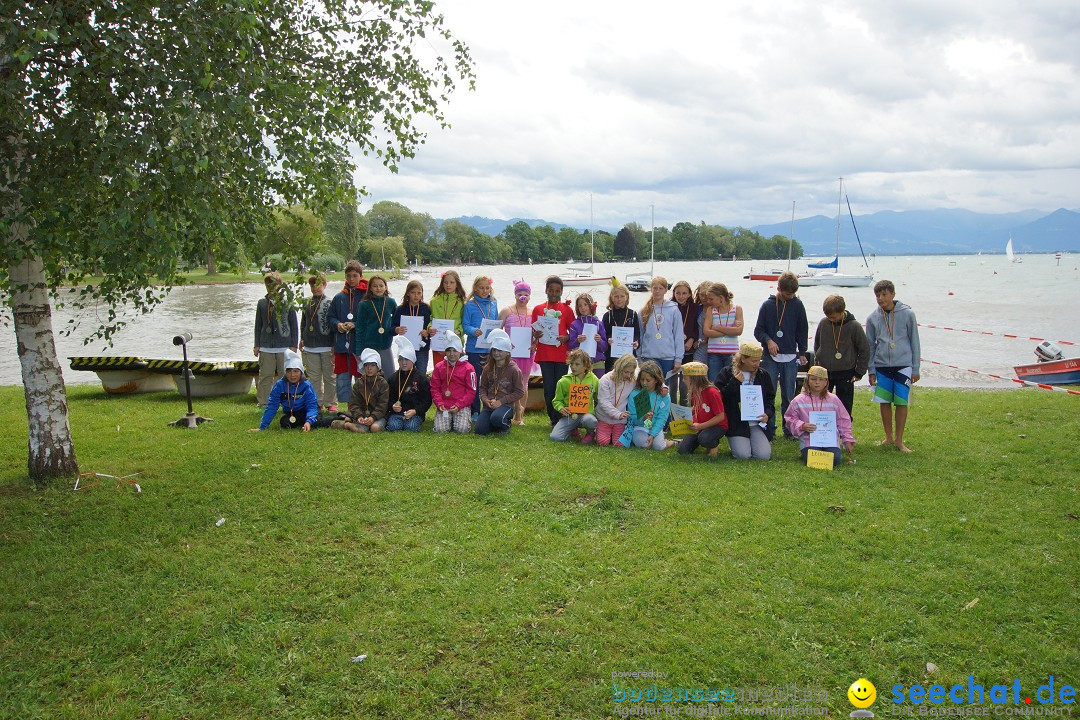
[(997, 334), (1041, 386)]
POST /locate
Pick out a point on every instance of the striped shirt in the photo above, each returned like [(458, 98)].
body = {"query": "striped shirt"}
[(725, 344)]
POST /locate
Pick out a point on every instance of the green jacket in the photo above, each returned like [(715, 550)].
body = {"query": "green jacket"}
[(446, 307), (562, 390)]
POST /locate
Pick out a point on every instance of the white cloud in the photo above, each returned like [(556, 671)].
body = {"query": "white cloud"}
[(726, 112)]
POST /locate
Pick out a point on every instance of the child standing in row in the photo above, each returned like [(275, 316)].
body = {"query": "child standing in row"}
[(410, 393), (688, 311), (370, 398), (841, 347), (893, 335), (518, 316), (501, 386), (552, 358), (276, 331), (723, 326), (710, 423), (585, 307), (295, 396), (620, 315), (448, 303), (375, 328), (580, 373), (782, 331), (413, 305), (317, 343), (453, 387), (645, 426), (611, 398), (479, 306), (343, 318), (661, 329), (816, 397), (701, 297)]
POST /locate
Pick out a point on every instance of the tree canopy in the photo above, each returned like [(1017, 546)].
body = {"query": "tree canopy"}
[(133, 132)]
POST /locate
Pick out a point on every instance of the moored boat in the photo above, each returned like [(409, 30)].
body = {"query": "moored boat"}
[(1055, 372)]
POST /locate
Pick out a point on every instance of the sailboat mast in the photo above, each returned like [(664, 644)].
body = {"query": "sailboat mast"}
[(652, 242), (592, 237), (791, 235), (839, 198)]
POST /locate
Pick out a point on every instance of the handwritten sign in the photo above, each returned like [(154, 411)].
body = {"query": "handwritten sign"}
[(680, 427), (819, 459), (579, 398)]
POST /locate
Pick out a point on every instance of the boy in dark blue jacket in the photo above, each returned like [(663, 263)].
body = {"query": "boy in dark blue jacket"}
[(295, 396), (782, 330)]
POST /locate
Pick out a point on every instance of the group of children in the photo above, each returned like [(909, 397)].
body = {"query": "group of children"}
[(618, 394)]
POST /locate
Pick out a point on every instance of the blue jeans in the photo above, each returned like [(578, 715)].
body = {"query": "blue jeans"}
[(397, 422), (497, 420), (343, 385), (477, 361), (716, 363), (783, 375)]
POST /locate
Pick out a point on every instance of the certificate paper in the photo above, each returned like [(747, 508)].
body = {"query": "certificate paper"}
[(521, 342), (589, 343), (549, 326), (442, 327), (751, 402), (622, 341), (825, 435), (819, 459), (486, 326), (413, 324)]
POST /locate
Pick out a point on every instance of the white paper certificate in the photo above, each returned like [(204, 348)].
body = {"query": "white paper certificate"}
[(589, 343), (486, 326), (438, 340), (521, 342), (413, 324), (751, 402), (549, 326), (622, 341), (825, 435)]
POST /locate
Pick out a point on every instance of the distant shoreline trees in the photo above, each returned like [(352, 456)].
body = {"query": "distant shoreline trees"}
[(346, 232)]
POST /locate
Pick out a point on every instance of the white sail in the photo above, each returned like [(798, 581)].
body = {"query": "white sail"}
[(1009, 250)]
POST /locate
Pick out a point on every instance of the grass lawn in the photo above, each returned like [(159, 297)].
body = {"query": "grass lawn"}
[(509, 577)]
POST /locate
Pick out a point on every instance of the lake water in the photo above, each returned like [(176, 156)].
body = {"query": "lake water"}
[(1037, 297)]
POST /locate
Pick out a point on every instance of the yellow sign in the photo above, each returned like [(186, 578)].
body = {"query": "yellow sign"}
[(819, 459), (578, 398), (680, 428)]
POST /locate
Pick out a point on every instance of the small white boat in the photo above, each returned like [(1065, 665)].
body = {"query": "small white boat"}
[(1013, 257), (834, 276)]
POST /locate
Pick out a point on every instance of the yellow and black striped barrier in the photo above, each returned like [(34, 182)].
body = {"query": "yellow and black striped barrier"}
[(93, 363)]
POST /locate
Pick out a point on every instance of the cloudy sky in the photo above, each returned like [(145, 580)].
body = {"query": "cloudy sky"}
[(727, 111)]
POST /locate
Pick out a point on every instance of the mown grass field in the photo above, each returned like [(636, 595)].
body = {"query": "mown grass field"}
[(509, 577)]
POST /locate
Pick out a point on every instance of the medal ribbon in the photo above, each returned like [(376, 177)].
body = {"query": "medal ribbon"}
[(779, 312), (838, 333), (890, 326), (377, 315)]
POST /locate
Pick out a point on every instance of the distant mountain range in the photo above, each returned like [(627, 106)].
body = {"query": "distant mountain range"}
[(912, 232)]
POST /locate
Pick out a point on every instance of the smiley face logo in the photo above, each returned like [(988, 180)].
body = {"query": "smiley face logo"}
[(862, 693)]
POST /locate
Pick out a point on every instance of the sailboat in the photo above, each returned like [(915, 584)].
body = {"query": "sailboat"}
[(641, 280), (832, 275), (583, 276), (1013, 257)]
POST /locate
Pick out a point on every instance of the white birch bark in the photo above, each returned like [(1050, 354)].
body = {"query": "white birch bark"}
[(51, 450)]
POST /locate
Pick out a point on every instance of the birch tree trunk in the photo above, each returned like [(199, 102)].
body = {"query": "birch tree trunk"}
[(51, 450)]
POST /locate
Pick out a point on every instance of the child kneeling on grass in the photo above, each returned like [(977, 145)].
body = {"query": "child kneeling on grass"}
[(816, 397), (710, 423), (370, 397), (453, 387), (501, 386), (614, 391), (580, 374), (645, 426), (410, 393), (295, 396)]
